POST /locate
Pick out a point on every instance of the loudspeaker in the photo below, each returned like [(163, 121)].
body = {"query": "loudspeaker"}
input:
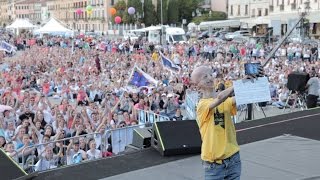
[(297, 81), (142, 137), (176, 137), (9, 168)]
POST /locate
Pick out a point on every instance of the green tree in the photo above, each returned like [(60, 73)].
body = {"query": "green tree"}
[(186, 7), (137, 6), (121, 8), (215, 16), (173, 12), (164, 11), (150, 15)]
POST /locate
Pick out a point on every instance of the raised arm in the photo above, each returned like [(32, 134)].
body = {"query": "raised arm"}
[(221, 97)]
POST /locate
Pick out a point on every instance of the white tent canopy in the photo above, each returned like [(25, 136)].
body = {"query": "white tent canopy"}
[(21, 24), (53, 27), (220, 24)]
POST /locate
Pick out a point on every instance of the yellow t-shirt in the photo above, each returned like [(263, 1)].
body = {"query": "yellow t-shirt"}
[(228, 84), (155, 56), (218, 138)]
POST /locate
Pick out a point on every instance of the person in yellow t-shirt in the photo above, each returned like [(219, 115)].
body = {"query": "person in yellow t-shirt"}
[(219, 150), (155, 56)]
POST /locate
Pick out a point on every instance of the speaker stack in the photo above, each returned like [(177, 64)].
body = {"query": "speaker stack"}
[(297, 81), (9, 168), (176, 137)]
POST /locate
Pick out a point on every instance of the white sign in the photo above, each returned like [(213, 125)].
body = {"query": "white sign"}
[(247, 92)]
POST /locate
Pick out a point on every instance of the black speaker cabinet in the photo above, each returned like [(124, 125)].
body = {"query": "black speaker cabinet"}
[(142, 137), (9, 168), (297, 81), (176, 137)]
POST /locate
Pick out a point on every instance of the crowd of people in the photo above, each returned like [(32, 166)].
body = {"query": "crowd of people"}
[(61, 88)]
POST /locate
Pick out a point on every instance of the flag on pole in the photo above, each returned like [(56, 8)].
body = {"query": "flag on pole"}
[(140, 78), (6, 47), (168, 64)]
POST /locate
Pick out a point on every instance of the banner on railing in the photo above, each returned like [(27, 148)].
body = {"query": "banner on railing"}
[(192, 98), (145, 117)]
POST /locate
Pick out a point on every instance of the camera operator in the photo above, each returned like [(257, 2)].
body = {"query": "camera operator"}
[(313, 86)]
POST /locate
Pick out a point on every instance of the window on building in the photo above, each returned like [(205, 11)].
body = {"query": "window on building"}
[(288, 2), (231, 10), (259, 12), (277, 2), (239, 10), (266, 13), (253, 13), (246, 10), (112, 2)]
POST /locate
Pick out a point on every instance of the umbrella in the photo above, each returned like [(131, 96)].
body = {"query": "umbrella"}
[(5, 108)]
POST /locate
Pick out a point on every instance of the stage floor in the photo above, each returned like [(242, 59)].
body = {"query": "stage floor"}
[(266, 151), (284, 157)]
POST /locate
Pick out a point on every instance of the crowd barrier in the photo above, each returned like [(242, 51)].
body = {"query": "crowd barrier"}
[(119, 139), (145, 117), (30, 159), (192, 98)]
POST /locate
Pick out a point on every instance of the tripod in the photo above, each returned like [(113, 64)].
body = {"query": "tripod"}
[(298, 97), (249, 111)]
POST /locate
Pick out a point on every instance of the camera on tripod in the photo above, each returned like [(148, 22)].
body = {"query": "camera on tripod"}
[(297, 81)]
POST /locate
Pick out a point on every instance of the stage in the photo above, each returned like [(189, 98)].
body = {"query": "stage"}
[(281, 147), (284, 157)]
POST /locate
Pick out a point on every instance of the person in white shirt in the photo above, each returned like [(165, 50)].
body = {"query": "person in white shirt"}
[(93, 153), (49, 160), (74, 153)]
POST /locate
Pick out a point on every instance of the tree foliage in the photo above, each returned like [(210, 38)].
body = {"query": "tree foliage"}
[(137, 6), (187, 7), (150, 15), (121, 8), (173, 12), (164, 11), (215, 16)]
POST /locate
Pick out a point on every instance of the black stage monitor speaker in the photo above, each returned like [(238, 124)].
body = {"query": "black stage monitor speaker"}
[(297, 81), (176, 137), (9, 168), (142, 137)]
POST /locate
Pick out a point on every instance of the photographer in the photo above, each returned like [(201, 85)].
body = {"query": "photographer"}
[(313, 86)]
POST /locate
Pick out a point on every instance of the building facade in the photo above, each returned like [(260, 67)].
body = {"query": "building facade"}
[(257, 12), (219, 5), (238, 9)]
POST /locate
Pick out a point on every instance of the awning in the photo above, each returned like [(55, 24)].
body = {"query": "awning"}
[(250, 22), (313, 16), (220, 24)]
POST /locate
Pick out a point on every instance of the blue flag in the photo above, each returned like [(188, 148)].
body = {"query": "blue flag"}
[(6, 47), (167, 63), (140, 78)]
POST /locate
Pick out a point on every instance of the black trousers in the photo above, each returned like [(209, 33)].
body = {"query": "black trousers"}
[(312, 101)]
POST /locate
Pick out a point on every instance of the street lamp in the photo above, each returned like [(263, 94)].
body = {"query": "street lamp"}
[(162, 41), (142, 2), (303, 13)]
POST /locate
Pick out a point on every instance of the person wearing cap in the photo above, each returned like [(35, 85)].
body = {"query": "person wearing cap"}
[(219, 150), (170, 105), (74, 153)]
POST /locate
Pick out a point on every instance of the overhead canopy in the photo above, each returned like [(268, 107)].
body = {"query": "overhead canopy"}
[(250, 22), (53, 27), (220, 24), (21, 24)]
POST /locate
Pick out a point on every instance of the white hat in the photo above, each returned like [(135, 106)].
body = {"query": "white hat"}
[(170, 95)]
